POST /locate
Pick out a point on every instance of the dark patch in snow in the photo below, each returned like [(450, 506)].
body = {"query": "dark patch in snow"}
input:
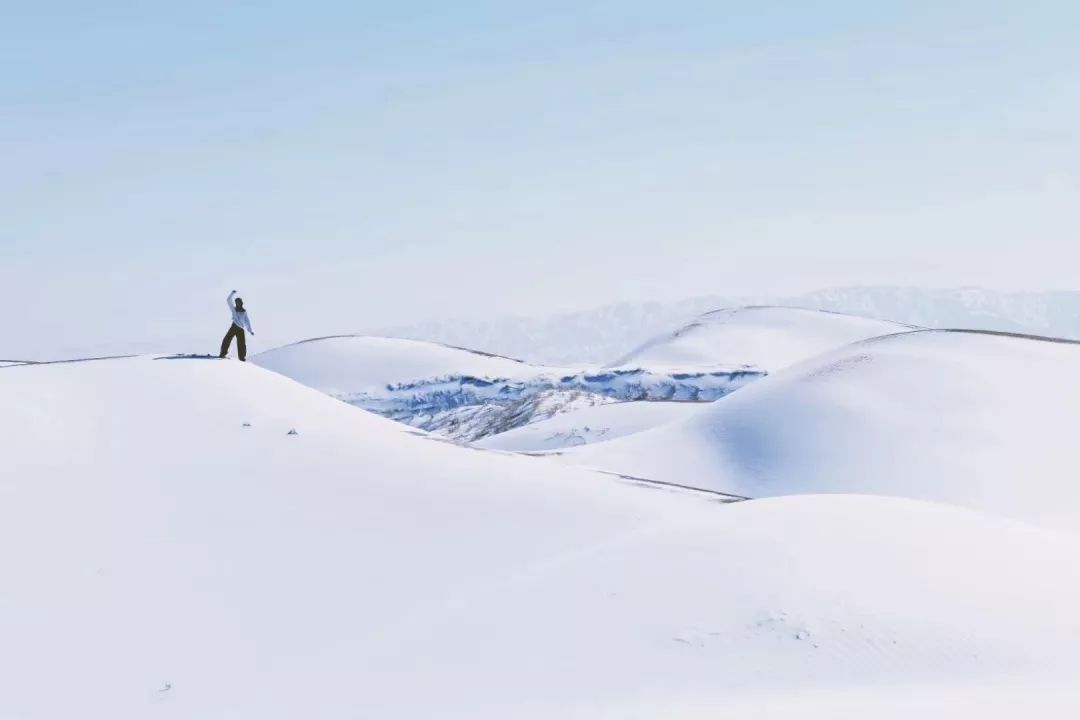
[(646, 482), (188, 356), (477, 382)]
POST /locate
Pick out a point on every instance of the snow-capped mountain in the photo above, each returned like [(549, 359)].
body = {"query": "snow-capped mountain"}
[(465, 395), (599, 335), (1053, 314), (204, 538)]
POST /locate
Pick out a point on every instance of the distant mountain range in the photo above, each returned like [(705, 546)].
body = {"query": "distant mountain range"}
[(603, 334)]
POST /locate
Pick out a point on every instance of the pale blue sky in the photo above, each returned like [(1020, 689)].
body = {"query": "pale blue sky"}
[(352, 164)]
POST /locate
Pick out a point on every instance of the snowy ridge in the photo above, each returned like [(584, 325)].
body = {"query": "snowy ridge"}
[(182, 554)]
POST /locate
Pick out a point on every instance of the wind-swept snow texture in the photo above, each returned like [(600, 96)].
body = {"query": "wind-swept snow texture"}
[(169, 550), (983, 420), (589, 425), (765, 337)]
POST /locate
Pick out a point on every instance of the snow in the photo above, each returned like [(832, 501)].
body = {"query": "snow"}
[(170, 551), (589, 425), (768, 338), (981, 420), (464, 395)]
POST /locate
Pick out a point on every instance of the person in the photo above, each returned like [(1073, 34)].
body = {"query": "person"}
[(240, 321)]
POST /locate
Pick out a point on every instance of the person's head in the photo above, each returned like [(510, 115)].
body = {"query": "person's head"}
[(239, 303)]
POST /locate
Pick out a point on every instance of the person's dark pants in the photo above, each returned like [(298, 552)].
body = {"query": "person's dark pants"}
[(241, 342)]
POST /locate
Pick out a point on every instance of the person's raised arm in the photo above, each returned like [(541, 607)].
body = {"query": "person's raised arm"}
[(229, 300)]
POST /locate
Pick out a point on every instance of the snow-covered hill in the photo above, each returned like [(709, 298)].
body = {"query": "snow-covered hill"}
[(594, 424), (765, 337), (762, 338), (982, 420), (465, 395), (173, 550)]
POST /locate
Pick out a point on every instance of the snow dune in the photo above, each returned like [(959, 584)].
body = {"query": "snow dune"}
[(353, 364), (172, 551), (764, 337), (981, 420)]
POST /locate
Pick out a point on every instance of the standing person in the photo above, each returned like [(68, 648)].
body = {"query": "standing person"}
[(240, 321)]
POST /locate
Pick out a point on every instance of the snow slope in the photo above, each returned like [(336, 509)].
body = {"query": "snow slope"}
[(171, 551), (765, 337), (589, 425), (983, 420)]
